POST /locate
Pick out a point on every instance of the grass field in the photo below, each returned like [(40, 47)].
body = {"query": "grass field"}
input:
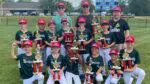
[(8, 67)]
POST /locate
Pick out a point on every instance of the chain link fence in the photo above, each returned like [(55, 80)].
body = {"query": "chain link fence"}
[(135, 22)]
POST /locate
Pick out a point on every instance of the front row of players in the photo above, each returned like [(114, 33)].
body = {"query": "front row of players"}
[(64, 69)]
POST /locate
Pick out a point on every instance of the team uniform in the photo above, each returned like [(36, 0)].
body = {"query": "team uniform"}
[(18, 37), (50, 62), (140, 73), (49, 37), (96, 63), (26, 69), (104, 52), (112, 79), (72, 71)]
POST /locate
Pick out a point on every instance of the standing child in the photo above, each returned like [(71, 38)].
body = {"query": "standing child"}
[(51, 35), (22, 35), (25, 60), (107, 41), (39, 38), (132, 58)]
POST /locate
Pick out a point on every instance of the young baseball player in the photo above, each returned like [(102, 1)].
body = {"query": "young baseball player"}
[(84, 39), (65, 28), (25, 60), (72, 71), (131, 53), (22, 34), (114, 67), (41, 34), (55, 61), (50, 36), (96, 62), (108, 41)]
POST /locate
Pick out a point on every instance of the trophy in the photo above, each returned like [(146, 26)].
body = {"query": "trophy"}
[(116, 67), (56, 75), (38, 39), (96, 29), (127, 62), (88, 74), (74, 50), (24, 37), (102, 42), (82, 46), (68, 36), (37, 64)]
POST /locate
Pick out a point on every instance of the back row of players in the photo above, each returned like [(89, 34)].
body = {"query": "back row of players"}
[(78, 53)]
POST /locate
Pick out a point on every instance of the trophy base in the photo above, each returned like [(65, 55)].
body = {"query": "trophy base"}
[(38, 39), (37, 61), (74, 58), (90, 73), (74, 48), (56, 70), (94, 24), (24, 40), (35, 73), (82, 40)]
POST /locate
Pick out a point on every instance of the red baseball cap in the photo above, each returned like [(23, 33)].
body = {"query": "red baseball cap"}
[(51, 22), (95, 45), (64, 20), (114, 52), (130, 39), (55, 44), (22, 21), (85, 3), (82, 20), (60, 4), (117, 8), (41, 21), (104, 22), (28, 42)]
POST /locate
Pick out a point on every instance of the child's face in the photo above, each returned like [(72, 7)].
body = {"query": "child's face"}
[(81, 24), (129, 44), (95, 50), (114, 57), (52, 27), (65, 24), (27, 48), (41, 27), (117, 14), (55, 49), (105, 26), (23, 26)]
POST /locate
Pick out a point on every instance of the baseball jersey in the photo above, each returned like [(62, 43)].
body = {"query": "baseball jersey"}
[(134, 55), (42, 35), (20, 33), (88, 24), (49, 36), (72, 66), (61, 34), (58, 18), (87, 36), (110, 37), (118, 28), (25, 62), (96, 62), (51, 60)]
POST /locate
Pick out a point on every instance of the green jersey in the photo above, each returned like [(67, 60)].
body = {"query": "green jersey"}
[(26, 69), (96, 62), (134, 55)]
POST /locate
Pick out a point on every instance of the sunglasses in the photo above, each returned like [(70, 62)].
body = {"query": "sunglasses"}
[(85, 6)]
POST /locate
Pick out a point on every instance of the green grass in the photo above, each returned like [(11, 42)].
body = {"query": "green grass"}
[(8, 67)]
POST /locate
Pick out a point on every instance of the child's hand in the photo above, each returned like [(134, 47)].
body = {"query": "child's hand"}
[(85, 42)]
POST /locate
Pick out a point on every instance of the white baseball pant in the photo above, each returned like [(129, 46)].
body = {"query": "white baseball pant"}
[(38, 77), (70, 76), (112, 80), (140, 73), (104, 52)]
